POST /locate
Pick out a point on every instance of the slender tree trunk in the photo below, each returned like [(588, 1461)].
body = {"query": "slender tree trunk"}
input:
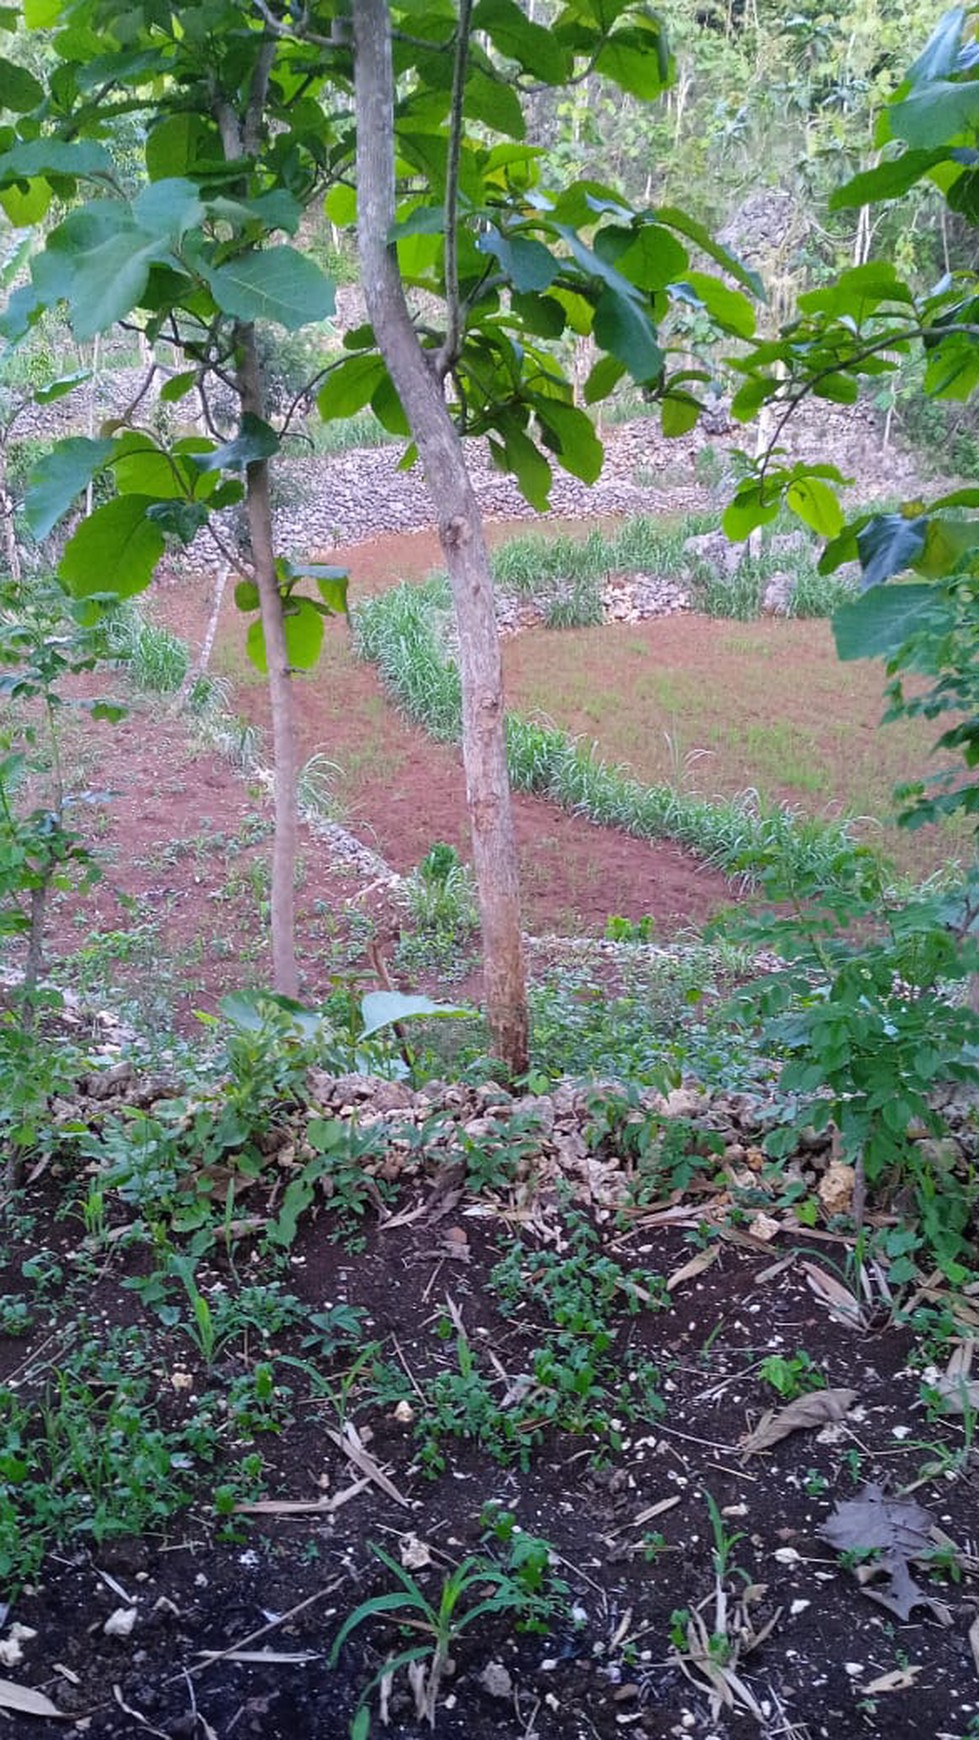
[(199, 667), (461, 535), (240, 135), (285, 975)]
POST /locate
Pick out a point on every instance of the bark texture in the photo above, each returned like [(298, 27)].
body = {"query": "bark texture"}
[(240, 136), (285, 974), (416, 377)]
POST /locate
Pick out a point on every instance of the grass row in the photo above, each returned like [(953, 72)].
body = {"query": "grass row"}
[(401, 632), (565, 575)]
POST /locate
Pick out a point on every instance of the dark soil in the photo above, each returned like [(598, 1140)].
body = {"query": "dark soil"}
[(625, 1508)]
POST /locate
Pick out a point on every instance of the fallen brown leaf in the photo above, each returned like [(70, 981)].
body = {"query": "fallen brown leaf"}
[(696, 1266), (898, 1680), (804, 1414), (841, 1304), (27, 1701)]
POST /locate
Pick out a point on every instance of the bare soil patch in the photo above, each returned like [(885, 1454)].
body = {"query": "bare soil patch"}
[(625, 1501), (720, 707)]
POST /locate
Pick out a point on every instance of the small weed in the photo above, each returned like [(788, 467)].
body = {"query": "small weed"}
[(792, 1376)]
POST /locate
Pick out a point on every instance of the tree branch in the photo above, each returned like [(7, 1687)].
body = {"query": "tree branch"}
[(448, 351), (794, 399)]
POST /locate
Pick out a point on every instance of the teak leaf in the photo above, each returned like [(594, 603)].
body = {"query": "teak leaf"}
[(802, 1415)]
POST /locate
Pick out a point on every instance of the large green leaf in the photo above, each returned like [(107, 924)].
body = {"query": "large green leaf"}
[(114, 551), (858, 292), (60, 388), (514, 35), (888, 181), (19, 89), (331, 582), (940, 53), (303, 625), (179, 144), (635, 59), (878, 623), (936, 113), (952, 369), (108, 281), (730, 309), (888, 544), (625, 330), (570, 434), (350, 386), (255, 440), (381, 1009), (495, 103), (541, 315), (81, 157), (60, 476), (696, 232), (529, 467), (277, 284), (751, 508), (26, 203), (179, 518), (603, 379), (945, 544), (679, 412), (525, 262), (816, 504), (653, 259), (168, 208)]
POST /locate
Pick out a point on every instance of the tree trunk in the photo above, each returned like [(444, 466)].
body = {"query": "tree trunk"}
[(240, 136), (200, 665), (258, 501), (461, 536), (285, 976)]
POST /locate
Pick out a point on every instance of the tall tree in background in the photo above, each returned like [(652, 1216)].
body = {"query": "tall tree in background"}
[(419, 380), (518, 269), (246, 117), (227, 157)]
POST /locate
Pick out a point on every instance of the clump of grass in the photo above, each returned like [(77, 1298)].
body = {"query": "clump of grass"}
[(742, 836), (155, 659), (316, 788), (441, 892), (398, 633), (344, 434)]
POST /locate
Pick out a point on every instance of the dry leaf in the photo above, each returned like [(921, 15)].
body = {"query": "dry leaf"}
[(959, 1393), (764, 1228), (120, 1623), (841, 1304), (285, 1656), (696, 1266), (349, 1442), (895, 1530), (804, 1414), (836, 1187), (652, 1510), (27, 1701), (413, 1553), (898, 1680)]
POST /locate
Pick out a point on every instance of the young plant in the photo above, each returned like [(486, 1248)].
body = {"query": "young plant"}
[(476, 1589)]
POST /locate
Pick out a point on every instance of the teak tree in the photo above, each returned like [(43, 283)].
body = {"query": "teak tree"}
[(232, 151), (516, 269), (247, 115)]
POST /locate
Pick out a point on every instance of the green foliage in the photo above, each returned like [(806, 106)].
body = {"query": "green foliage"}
[(863, 1013), (92, 1461), (520, 1584)]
